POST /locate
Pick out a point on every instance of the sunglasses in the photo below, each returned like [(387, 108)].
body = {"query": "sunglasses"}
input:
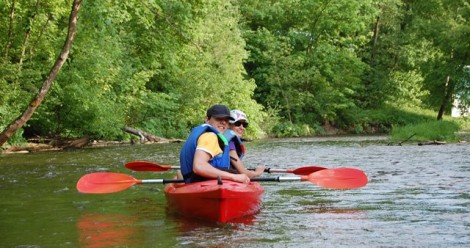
[(239, 123)]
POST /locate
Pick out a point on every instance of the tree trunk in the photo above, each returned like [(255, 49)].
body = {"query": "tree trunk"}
[(34, 104), (10, 30), (28, 33), (374, 39), (449, 90)]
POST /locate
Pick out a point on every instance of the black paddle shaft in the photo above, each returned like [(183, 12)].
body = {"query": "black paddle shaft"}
[(265, 179)]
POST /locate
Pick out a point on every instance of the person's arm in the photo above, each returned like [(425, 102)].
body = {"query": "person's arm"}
[(202, 167), (238, 164), (207, 147)]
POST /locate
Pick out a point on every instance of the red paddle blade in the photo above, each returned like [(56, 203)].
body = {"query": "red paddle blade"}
[(339, 178), (146, 166), (105, 182), (307, 170)]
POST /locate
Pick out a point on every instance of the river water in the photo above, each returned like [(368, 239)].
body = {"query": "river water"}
[(417, 196)]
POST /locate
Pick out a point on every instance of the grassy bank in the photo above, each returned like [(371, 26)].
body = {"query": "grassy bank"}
[(449, 129), (411, 124)]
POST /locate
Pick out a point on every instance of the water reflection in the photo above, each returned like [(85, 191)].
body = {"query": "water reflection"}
[(126, 226), (187, 224), (106, 230), (198, 233)]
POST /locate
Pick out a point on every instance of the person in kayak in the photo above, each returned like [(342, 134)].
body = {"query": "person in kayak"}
[(237, 128), (205, 154)]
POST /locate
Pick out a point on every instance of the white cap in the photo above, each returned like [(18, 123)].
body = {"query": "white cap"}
[(237, 115)]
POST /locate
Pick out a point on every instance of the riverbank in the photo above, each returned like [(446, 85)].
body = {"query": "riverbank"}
[(49, 145), (43, 145)]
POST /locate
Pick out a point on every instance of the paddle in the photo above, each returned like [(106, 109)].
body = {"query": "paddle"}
[(303, 171), (110, 182), (150, 166), (339, 178)]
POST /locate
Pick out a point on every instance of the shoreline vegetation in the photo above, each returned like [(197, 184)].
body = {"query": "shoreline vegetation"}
[(80, 71), (431, 133)]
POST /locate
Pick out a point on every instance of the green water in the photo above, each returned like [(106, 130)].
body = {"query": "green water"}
[(416, 197), (41, 208)]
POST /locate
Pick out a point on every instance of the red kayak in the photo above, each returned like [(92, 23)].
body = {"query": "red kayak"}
[(213, 202)]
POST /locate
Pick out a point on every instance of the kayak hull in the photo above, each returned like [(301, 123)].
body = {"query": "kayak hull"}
[(213, 202)]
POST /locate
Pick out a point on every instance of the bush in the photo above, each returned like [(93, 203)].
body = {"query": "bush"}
[(287, 129)]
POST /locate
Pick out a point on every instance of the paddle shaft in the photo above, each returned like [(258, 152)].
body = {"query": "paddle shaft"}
[(164, 181), (271, 170), (150, 166), (256, 179), (276, 179)]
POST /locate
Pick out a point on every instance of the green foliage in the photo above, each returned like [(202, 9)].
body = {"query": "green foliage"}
[(292, 66), (17, 138), (306, 67), (443, 26), (155, 66), (287, 129), (464, 123), (464, 133), (382, 55), (408, 88), (433, 130)]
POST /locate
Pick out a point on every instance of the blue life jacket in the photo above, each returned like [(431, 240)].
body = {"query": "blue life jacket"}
[(220, 161), (231, 136)]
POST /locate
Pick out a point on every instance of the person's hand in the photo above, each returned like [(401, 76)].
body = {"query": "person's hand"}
[(259, 170), (242, 178)]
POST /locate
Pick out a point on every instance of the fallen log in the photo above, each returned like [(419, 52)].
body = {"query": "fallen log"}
[(144, 136), (434, 142), (67, 143)]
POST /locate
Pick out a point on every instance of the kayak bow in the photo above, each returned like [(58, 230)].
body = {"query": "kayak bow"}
[(215, 202)]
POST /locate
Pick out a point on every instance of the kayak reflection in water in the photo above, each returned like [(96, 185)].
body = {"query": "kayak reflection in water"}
[(107, 230), (234, 135), (205, 154)]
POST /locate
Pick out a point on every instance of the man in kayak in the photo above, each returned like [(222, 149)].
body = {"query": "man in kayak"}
[(237, 128), (205, 154)]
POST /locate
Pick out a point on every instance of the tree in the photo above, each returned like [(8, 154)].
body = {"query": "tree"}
[(443, 25), (304, 56), (155, 66), (36, 101)]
